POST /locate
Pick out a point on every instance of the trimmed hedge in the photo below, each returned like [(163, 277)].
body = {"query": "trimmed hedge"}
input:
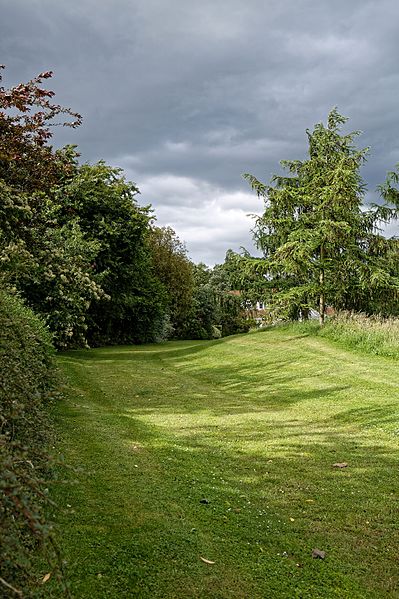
[(27, 382)]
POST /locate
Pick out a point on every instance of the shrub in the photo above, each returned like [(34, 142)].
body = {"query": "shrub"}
[(27, 381)]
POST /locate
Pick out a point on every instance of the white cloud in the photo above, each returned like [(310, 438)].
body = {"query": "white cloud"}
[(209, 219)]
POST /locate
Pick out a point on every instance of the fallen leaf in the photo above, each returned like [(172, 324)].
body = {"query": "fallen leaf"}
[(206, 561), (318, 554), (46, 577), (292, 519), (340, 465)]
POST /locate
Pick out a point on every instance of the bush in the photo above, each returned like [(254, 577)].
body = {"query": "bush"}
[(27, 381)]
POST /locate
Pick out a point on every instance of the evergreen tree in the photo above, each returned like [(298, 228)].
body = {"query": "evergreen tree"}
[(317, 241)]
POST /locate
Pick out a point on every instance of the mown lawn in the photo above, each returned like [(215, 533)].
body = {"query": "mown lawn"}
[(224, 450)]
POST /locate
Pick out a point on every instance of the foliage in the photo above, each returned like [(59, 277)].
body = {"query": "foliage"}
[(216, 310), (77, 246), (49, 263), (319, 246), (27, 377), (73, 240), (27, 114), (389, 190), (175, 271), (232, 318), (202, 316), (104, 205), (230, 298)]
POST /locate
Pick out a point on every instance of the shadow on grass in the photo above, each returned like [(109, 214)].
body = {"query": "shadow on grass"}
[(267, 509), (225, 405), (219, 392), (129, 352), (369, 416)]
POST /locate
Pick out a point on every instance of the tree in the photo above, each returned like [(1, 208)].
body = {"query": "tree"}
[(27, 113), (72, 236), (104, 204), (216, 311), (230, 298), (202, 317), (317, 240), (47, 262), (175, 271)]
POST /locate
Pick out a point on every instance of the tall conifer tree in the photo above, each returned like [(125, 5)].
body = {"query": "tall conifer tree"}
[(315, 236)]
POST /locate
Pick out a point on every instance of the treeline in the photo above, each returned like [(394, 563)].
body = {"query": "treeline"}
[(79, 249)]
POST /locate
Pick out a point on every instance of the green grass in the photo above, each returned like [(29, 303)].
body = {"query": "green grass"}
[(368, 334), (252, 424)]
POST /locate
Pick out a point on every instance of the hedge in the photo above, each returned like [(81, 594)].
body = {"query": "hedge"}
[(27, 384)]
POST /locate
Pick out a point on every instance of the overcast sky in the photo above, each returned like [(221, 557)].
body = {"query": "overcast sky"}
[(186, 95)]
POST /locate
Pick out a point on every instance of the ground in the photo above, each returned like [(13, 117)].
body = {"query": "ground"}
[(224, 451)]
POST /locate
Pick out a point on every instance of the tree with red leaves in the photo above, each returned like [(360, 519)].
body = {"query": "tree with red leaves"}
[(27, 114)]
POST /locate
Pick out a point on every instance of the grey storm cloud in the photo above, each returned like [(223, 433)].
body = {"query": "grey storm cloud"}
[(187, 96)]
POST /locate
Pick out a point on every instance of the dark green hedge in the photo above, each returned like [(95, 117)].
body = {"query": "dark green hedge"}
[(27, 381)]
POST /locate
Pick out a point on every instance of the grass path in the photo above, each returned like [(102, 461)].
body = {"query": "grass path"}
[(251, 424)]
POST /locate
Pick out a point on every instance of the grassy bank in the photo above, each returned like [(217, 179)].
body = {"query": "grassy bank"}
[(372, 334), (224, 451)]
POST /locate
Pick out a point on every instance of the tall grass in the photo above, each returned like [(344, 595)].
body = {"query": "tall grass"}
[(371, 334)]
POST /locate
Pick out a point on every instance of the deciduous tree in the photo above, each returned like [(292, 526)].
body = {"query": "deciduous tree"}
[(27, 115), (104, 204), (175, 271)]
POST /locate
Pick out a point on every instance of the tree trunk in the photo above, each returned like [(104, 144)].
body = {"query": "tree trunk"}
[(322, 303), (322, 308)]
